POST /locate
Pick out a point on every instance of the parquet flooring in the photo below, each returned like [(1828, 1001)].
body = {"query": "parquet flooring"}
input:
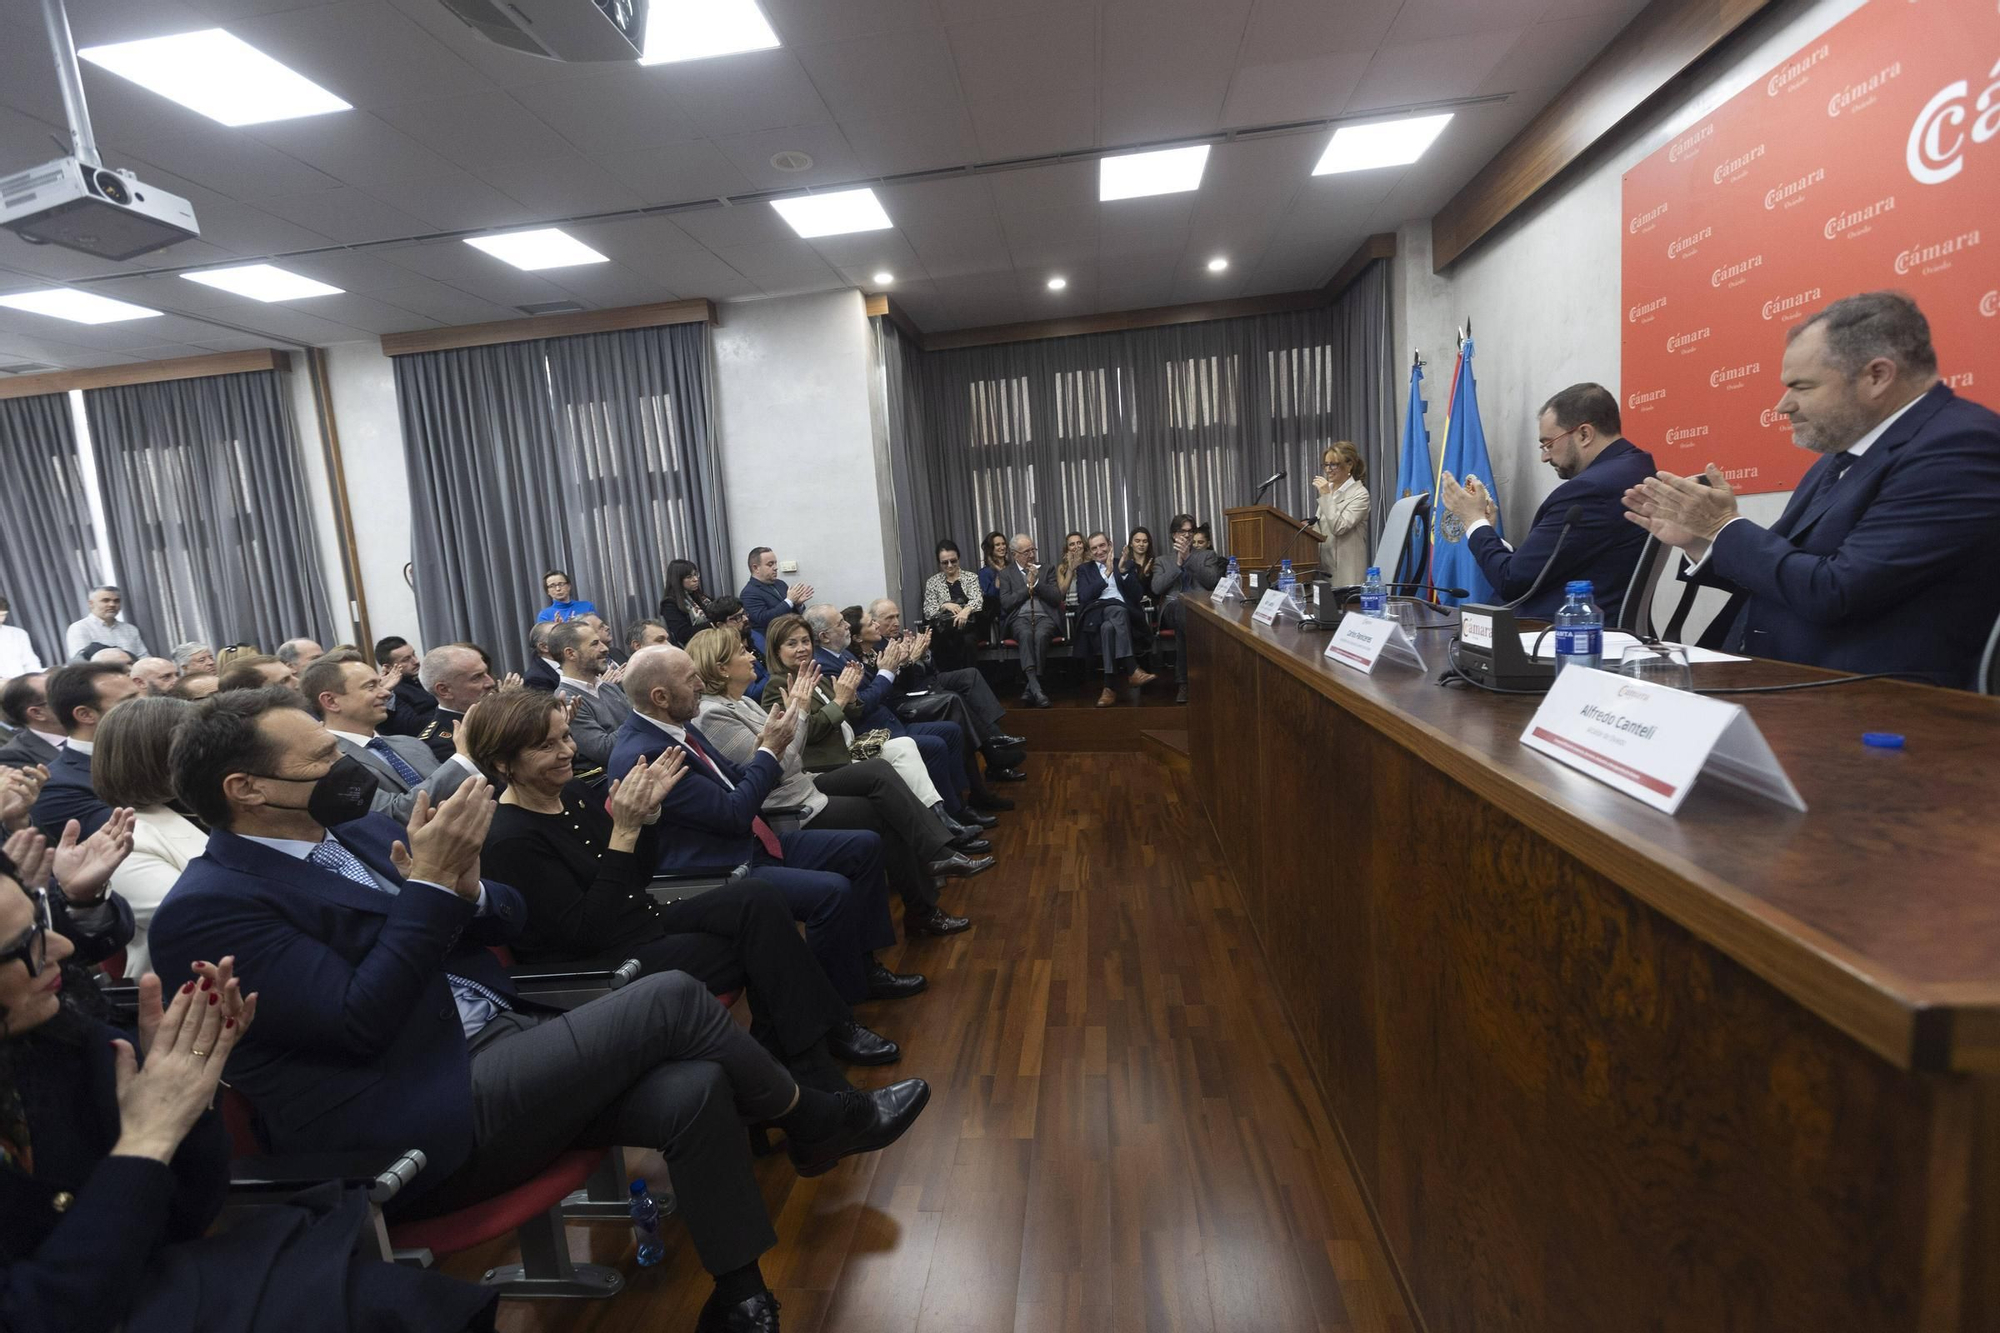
[(1122, 1134)]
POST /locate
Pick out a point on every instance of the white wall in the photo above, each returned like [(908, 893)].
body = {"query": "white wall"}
[(794, 425), (378, 489), (1543, 294), (319, 497)]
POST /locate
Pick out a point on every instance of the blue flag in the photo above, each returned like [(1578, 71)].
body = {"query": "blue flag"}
[(1465, 456), (1413, 477)]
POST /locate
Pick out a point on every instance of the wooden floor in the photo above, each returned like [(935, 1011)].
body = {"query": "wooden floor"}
[(1122, 1135)]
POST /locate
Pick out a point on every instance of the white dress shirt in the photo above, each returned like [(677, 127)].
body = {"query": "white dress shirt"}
[(1111, 582), (81, 747), (55, 738), (117, 634), (17, 654)]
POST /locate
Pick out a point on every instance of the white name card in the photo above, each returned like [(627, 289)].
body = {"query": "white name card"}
[(1229, 590), (1362, 641), (1652, 742), (1272, 605)]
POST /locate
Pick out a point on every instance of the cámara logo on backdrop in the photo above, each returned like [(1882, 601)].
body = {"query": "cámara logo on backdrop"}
[(1645, 220), (1681, 342), (1789, 308), (1854, 222), (1685, 245), (1936, 256), (1936, 148), (1639, 400), (1733, 168), (1732, 377), (1989, 304), (1856, 97), (1684, 435), (1792, 75), (1963, 380), (1788, 194), (1731, 275), (1686, 145), (1771, 416), (1643, 314)]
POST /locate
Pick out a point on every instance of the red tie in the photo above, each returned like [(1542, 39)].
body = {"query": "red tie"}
[(772, 847)]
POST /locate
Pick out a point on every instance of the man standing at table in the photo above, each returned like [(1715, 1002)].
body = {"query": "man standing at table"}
[(1582, 439), (1886, 558)]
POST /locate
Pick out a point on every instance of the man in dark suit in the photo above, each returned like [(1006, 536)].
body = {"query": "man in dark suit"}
[(458, 677), (1183, 570), (79, 695), (543, 670), (922, 693), (37, 737), (410, 704), (1031, 613), (1581, 440), (347, 695), (1108, 605), (766, 596), (710, 822), (384, 1020), (1885, 558)]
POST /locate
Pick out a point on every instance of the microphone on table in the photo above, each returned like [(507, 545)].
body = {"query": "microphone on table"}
[(1488, 650), (1351, 590), (1269, 482)]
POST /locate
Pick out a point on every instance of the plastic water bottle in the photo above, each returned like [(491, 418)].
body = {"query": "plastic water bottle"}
[(646, 1225), (1374, 598), (1579, 628), (1234, 572), (1285, 578)]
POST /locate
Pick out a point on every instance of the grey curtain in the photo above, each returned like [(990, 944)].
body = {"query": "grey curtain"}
[(47, 546), (591, 454), (205, 506), (916, 502), (1127, 429)]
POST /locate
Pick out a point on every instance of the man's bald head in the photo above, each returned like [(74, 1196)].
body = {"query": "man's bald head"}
[(663, 683), (157, 674)]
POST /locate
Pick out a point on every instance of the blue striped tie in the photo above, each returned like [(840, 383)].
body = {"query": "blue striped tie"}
[(411, 778)]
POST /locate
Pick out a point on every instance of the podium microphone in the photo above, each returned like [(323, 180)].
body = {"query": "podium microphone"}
[(1550, 563), (1269, 482), (1488, 651)]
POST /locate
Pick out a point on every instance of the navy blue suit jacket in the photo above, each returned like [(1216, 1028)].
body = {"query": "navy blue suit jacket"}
[(765, 602), (68, 795), (1090, 605), (1602, 545), (357, 1042), (703, 826), (875, 693), (1895, 567)]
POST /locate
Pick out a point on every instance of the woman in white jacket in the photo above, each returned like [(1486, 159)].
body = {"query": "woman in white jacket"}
[(128, 767), (1343, 513)]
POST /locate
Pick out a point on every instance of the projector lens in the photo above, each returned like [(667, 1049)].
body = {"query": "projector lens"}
[(108, 184)]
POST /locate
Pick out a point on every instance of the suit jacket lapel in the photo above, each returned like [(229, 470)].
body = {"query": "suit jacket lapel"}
[(1898, 435), (289, 873), (375, 762)]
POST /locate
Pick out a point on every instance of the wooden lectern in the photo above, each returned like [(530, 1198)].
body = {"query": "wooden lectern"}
[(1261, 536)]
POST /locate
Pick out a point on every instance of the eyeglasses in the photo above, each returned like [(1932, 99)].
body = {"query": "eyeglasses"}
[(33, 950), (1550, 443)]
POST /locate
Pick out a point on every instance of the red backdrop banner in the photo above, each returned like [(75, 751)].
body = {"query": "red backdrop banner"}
[(1869, 159)]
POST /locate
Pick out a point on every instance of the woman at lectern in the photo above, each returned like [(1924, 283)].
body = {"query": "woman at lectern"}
[(1343, 513)]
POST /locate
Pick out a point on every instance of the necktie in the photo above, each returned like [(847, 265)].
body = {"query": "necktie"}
[(1841, 462), (331, 855), (380, 747), (765, 836)]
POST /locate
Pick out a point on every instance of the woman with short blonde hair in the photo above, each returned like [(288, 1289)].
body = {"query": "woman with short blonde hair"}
[(1343, 513)]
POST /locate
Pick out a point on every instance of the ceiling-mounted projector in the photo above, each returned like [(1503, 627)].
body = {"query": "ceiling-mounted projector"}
[(574, 30), (110, 214)]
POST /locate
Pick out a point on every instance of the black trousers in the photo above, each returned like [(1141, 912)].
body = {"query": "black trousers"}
[(659, 1064), (852, 803)]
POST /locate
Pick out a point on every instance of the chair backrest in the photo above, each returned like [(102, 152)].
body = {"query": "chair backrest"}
[(1656, 561), (1389, 551), (1989, 662)]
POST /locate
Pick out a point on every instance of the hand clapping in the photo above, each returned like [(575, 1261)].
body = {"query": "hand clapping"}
[(848, 686), (83, 869), (18, 789), (187, 1047), (1680, 511), (778, 731), (445, 842), (636, 797)]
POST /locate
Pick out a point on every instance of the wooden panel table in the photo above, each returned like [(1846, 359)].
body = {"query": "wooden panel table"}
[(1598, 1068)]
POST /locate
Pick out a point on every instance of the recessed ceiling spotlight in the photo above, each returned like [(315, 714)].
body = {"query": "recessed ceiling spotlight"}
[(262, 282), (835, 214), (82, 307), (545, 247), (1056, 284), (884, 278), (1387, 143), (221, 76), (698, 29), (1168, 171), (1217, 264), (791, 159)]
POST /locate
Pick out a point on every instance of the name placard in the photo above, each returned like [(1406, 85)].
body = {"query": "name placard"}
[(1652, 742), (1230, 589), (1362, 642), (1273, 604)]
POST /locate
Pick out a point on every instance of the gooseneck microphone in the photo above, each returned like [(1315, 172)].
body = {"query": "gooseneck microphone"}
[(1550, 563), (1269, 482)]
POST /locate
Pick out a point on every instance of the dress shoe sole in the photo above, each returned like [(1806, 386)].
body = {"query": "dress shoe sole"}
[(933, 932), (882, 1138)]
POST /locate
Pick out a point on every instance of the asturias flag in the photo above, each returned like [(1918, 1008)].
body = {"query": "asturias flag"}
[(1413, 477), (1465, 456)]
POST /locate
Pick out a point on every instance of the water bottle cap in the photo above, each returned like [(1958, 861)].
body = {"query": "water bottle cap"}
[(1883, 740), (638, 1188), (1374, 571), (1579, 587)]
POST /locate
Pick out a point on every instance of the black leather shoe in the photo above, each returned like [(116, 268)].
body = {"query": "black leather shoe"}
[(961, 866), (1180, 694), (934, 922), (870, 1121), (852, 1044), (1008, 742), (976, 820), (987, 800), (759, 1314), (1005, 775), (886, 985), (971, 844)]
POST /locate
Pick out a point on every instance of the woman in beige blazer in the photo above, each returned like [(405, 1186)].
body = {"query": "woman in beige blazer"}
[(1343, 513), (128, 767)]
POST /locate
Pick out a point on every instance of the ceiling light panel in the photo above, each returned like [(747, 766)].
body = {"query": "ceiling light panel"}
[(1169, 171), (80, 307), (699, 29), (1388, 143), (221, 76), (836, 214), (547, 247), (262, 282)]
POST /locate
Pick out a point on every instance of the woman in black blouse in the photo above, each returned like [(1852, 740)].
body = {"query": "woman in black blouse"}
[(685, 608), (573, 862)]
